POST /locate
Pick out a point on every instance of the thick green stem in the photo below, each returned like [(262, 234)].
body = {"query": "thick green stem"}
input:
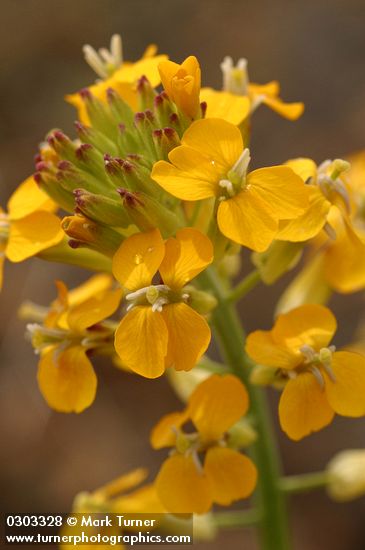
[(270, 500), (236, 518)]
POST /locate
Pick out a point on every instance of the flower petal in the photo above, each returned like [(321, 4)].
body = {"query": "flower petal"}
[(138, 258), (67, 379), (32, 234), (247, 220), (191, 177), (188, 336), (94, 285), (101, 306), (307, 225), (230, 107), (165, 432), (311, 324), (28, 198), (304, 167), (303, 407), (217, 139), (291, 111), (232, 475), (182, 488), (284, 193), (216, 404), (347, 394), (141, 341), (185, 257), (263, 349)]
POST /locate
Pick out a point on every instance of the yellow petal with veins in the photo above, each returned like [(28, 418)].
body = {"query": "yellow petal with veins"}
[(232, 475), (311, 324), (67, 379), (182, 487), (138, 258), (185, 257), (94, 310), (346, 393), (141, 341), (247, 220), (264, 350), (28, 198), (218, 139), (32, 234), (191, 176), (188, 336), (304, 407), (216, 404), (291, 111)]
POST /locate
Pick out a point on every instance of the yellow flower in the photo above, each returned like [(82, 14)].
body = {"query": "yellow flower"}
[(202, 470), (121, 75), (320, 380), (29, 226), (211, 162), (121, 496), (73, 328), (160, 330), (232, 108), (236, 81), (182, 84)]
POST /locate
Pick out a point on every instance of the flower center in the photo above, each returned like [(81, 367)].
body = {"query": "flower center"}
[(318, 363), (330, 184), (235, 179), (105, 62), (235, 77), (156, 296)]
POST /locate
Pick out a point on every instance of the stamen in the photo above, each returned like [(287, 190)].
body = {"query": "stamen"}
[(105, 62), (227, 185), (241, 165), (235, 78), (318, 376)]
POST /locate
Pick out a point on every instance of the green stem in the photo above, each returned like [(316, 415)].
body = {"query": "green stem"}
[(244, 287), (236, 518), (305, 482), (269, 497)]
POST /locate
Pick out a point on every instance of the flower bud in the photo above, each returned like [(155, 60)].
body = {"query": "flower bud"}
[(347, 475), (85, 232), (146, 94), (203, 302), (165, 140), (280, 257), (119, 109), (101, 209), (147, 213), (241, 435)]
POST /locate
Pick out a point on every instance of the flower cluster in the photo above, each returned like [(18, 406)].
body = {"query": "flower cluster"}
[(155, 192)]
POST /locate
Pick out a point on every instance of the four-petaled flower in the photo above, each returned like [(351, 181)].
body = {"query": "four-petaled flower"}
[(212, 162), (203, 469), (160, 330), (320, 380)]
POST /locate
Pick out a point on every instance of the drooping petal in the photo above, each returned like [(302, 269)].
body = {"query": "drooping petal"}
[(246, 220), (185, 257), (165, 432), (188, 336), (232, 475), (122, 484), (67, 379), (32, 234), (95, 309), (141, 341), (182, 487), (263, 349), (230, 107), (307, 225), (291, 111), (346, 394), (304, 407), (191, 177), (284, 193), (216, 404), (271, 88), (28, 198), (218, 139), (138, 258), (141, 501), (311, 324)]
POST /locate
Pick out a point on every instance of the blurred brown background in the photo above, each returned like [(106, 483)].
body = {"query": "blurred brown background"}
[(316, 49)]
